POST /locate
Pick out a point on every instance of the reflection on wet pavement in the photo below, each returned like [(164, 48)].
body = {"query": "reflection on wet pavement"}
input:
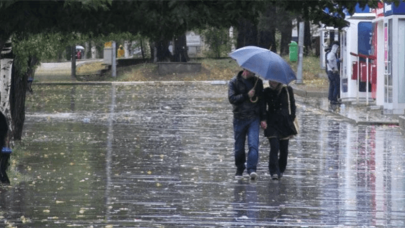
[(161, 155), (357, 113)]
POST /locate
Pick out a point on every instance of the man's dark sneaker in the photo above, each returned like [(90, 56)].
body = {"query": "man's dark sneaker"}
[(274, 177), (253, 175), (239, 174)]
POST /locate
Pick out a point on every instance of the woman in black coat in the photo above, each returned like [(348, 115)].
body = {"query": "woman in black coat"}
[(280, 106)]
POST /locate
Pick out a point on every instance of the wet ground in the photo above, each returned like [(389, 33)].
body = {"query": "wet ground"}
[(161, 155)]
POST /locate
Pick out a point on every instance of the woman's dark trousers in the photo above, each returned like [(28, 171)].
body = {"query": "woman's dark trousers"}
[(278, 161), (4, 163)]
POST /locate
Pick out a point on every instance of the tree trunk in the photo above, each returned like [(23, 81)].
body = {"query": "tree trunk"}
[(152, 50), (284, 25), (142, 50), (6, 66), (160, 51), (286, 37), (180, 49), (247, 33), (267, 29), (307, 39), (86, 50), (19, 86), (73, 68), (2, 43)]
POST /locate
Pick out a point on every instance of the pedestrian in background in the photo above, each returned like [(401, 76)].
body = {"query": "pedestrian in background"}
[(245, 94), (120, 52), (280, 104), (332, 67), (79, 54)]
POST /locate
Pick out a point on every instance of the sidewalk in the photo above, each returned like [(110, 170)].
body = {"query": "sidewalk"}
[(160, 154), (59, 71), (65, 65), (361, 114), (312, 95)]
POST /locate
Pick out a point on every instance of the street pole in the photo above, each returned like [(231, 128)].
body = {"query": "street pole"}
[(73, 64), (231, 38), (114, 62), (300, 53)]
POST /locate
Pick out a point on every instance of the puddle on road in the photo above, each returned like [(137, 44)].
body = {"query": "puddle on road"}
[(162, 156)]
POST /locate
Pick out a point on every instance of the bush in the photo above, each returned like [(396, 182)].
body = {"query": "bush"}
[(218, 42)]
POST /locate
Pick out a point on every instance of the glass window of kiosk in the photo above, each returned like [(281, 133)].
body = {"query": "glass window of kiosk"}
[(387, 61), (364, 31), (401, 61)]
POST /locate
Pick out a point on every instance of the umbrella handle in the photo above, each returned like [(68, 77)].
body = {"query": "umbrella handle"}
[(254, 101), (257, 79)]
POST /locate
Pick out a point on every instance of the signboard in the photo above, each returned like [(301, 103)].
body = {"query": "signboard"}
[(358, 9), (379, 11), (108, 44), (391, 9), (193, 39)]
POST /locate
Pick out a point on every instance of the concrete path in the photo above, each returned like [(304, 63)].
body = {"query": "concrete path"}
[(64, 65), (161, 155)]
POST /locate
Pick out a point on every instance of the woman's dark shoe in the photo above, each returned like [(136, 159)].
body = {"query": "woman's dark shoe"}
[(239, 174)]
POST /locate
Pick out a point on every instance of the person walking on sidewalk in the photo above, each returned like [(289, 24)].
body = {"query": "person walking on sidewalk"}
[(244, 93), (333, 74), (281, 108)]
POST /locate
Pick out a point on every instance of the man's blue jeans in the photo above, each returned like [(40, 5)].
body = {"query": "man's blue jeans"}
[(251, 129), (334, 86)]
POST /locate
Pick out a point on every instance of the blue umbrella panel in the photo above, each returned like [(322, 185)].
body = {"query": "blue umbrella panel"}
[(265, 63)]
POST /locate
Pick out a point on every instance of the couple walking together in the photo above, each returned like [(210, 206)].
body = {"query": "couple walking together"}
[(254, 107)]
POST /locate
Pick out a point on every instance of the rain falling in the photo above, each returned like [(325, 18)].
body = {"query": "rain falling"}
[(161, 155)]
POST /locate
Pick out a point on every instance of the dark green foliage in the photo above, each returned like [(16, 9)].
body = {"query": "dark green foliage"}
[(218, 41)]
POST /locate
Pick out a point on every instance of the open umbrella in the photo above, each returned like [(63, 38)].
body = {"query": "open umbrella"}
[(78, 47), (265, 63)]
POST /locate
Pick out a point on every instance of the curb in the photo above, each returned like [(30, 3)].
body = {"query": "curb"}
[(132, 83), (322, 94), (401, 120), (303, 93)]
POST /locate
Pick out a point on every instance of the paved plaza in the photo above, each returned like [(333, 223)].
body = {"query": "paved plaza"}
[(159, 154)]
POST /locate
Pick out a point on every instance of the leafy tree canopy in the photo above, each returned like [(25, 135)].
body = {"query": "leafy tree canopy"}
[(314, 10)]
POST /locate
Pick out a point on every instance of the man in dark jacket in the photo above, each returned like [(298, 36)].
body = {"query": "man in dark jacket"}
[(245, 91)]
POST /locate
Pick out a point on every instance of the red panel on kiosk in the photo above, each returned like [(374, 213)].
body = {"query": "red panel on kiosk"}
[(363, 72), (373, 73), (373, 76), (374, 91), (354, 70)]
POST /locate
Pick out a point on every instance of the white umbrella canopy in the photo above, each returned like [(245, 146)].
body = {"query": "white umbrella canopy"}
[(78, 47)]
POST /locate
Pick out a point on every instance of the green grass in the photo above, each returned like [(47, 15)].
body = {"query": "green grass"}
[(212, 69)]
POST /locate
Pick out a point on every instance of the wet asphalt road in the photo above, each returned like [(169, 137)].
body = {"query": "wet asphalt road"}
[(161, 155)]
